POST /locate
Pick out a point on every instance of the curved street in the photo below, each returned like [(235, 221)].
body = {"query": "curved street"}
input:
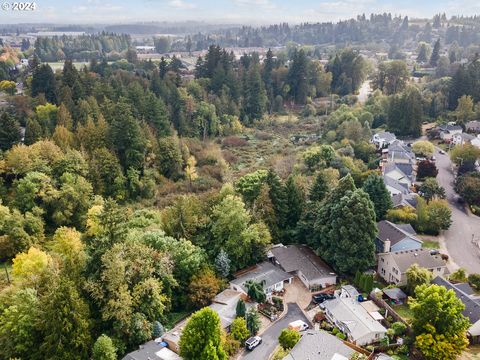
[(458, 239)]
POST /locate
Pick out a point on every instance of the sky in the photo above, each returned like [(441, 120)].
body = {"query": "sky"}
[(227, 11)]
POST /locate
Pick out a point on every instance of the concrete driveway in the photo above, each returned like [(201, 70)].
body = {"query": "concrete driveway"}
[(458, 239), (270, 336)]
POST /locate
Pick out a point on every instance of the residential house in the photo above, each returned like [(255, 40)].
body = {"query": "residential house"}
[(462, 139), (396, 187), (396, 237), (320, 345), (392, 266), (399, 153), (401, 200), (354, 321), (473, 126), (476, 142), (448, 130), (472, 305), (301, 261), (152, 350), (270, 276), (347, 292), (403, 173), (383, 139), (224, 304)]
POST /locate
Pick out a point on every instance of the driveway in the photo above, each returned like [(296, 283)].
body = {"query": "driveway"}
[(270, 336), (458, 239)]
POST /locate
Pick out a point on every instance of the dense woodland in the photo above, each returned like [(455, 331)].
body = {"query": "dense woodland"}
[(125, 206)]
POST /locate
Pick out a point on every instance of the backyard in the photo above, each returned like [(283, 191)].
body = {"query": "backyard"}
[(404, 311)]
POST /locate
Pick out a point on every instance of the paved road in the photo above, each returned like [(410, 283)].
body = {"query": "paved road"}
[(270, 336), (458, 238), (364, 91)]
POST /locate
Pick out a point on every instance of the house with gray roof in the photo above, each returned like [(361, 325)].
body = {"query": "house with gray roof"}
[(447, 131), (401, 172), (383, 139), (301, 261), (396, 237), (270, 276), (472, 305), (392, 266), (320, 345), (354, 321), (462, 139), (399, 153), (152, 350), (404, 200), (396, 187)]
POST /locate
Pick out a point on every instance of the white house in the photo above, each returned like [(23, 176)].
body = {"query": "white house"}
[(383, 139), (270, 276), (392, 266), (354, 321), (301, 261), (462, 139)]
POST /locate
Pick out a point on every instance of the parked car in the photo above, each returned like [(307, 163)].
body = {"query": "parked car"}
[(441, 152), (298, 325), (253, 342), (320, 298)]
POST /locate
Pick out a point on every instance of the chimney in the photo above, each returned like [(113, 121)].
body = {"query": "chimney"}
[(386, 246)]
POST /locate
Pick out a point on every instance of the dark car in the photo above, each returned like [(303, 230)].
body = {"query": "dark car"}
[(320, 298), (253, 342)]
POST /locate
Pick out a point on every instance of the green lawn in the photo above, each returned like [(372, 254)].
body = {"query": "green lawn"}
[(431, 244), (404, 311)]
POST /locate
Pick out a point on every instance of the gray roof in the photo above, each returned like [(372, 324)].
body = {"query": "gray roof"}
[(265, 273), (354, 317), (294, 258), (448, 127), (405, 169), (404, 200), (395, 233), (318, 345), (149, 350), (466, 137), (422, 257), (403, 188), (472, 307), (395, 293), (387, 136)]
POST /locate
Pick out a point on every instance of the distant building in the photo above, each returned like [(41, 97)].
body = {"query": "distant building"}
[(320, 345), (462, 139), (354, 321), (472, 305), (301, 261), (270, 276), (447, 131), (396, 237), (392, 266), (383, 139), (473, 126)]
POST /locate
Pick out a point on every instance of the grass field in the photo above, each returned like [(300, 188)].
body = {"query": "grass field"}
[(404, 311), (431, 244), (59, 65)]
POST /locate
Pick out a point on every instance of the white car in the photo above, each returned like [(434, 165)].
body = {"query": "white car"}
[(253, 342)]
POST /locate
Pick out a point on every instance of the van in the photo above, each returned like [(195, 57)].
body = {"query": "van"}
[(298, 325)]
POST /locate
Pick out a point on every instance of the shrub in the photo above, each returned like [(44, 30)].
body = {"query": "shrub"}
[(474, 280), (399, 328), (234, 141), (341, 336), (288, 338)]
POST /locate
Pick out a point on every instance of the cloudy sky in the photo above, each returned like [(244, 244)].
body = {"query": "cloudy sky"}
[(228, 11)]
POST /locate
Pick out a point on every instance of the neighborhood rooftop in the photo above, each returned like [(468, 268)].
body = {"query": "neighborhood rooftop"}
[(301, 258), (319, 345), (349, 311), (395, 232), (264, 273), (152, 350), (421, 257)]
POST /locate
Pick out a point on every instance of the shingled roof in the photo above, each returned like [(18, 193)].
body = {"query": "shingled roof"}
[(395, 232)]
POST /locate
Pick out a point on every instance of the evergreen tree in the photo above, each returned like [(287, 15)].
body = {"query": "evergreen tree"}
[(240, 309), (43, 82), (295, 201), (158, 329), (255, 97), (279, 201), (346, 228), (253, 321), (319, 188), (297, 77), (435, 53), (201, 337), (103, 349), (9, 131), (375, 187), (222, 263)]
